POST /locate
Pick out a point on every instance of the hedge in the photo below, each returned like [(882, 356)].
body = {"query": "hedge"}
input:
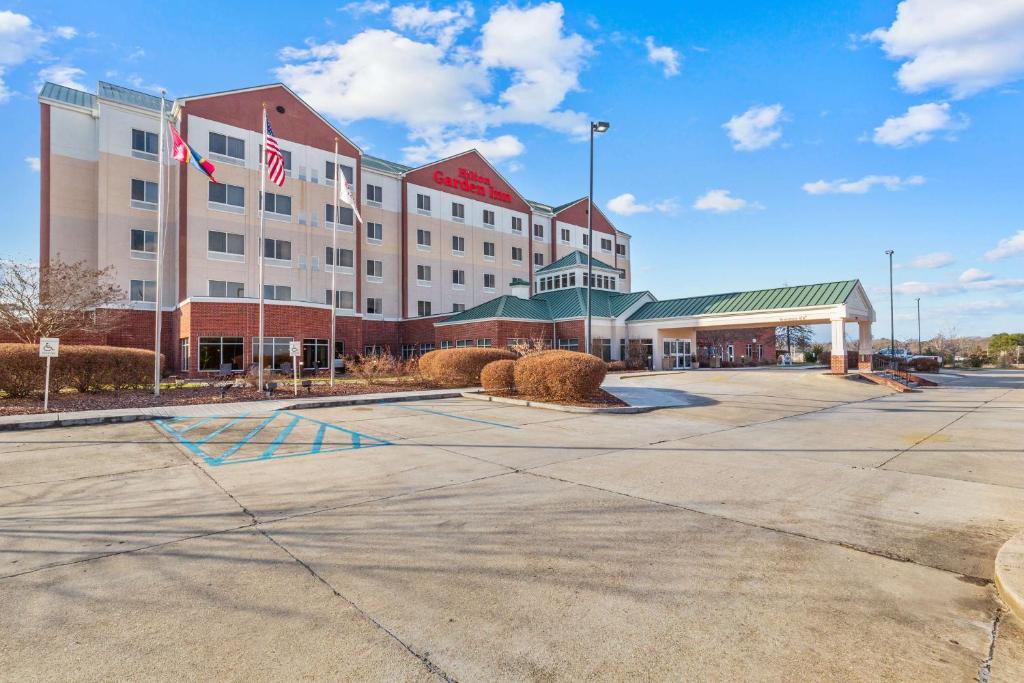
[(559, 375), (499, 376), (85, 368), (459, 367)]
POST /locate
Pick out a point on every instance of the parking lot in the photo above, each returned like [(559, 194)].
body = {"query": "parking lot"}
[(786, 525)]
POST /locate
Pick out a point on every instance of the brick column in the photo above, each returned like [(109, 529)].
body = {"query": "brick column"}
[(864, 346), (839, 347)]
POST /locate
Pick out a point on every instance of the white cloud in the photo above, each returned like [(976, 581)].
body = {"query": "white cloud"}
[(974, 275), (965, 46), (1009, 246), (984, 282), (756, 128), (627, 205), (929, 261), (844, 186), (722, 201), (65, 32), (914, 288), (19, 42), (443, 25), (63, 74), (495, 149), (1013, 284), (667, 57), (33, 163), (918, 125), (366, 7), (446, 94)]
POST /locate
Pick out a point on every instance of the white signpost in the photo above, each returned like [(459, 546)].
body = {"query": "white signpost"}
[(49, 347), (295, 350)]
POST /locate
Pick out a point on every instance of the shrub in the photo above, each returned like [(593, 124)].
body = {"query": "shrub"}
[(372, 368), (499, 375), (459, 367), (559, 375), (616, 366), (85, 368)]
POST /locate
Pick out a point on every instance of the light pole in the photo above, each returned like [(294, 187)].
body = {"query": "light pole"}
[(919, 326), (892, 319), (595, 127)]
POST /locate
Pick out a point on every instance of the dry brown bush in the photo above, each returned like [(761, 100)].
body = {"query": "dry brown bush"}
[(85, 368), (499, 376), (371, 369), (459, 367), (559, 375)]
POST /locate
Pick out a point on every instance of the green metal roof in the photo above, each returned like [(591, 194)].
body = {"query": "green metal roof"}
[(557, 304), (62, 93), (378, 164), (562, 207), (824, 294), (575, 258), (109, 91), (519, 282), (506, 306), (540, 206)]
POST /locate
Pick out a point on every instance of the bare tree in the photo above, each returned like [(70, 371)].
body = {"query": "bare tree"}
[(799, 336), (57, 300)]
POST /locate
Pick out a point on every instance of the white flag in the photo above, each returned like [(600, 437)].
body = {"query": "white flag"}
[(345, 194)]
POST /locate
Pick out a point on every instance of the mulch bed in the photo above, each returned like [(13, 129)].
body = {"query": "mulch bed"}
[(601, 399), (73, 401)]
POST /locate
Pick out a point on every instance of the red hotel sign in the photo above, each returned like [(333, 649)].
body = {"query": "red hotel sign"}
[(471, 181)]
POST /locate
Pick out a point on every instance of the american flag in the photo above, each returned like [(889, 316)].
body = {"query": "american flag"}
[(275, 162)]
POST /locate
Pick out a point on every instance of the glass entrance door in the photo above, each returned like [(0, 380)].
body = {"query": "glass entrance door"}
[(680, 353)]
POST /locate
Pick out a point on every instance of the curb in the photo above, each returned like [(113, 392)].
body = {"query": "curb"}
[(616, 410), (43, 421), (1009, 574)]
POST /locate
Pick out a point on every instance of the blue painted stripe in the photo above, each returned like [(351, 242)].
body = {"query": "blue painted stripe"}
[(296, 455), (383, 442), (452, 416), (319, 440), (195, 450), (193, 426), (256, 430), (280, 438), (217, 432)]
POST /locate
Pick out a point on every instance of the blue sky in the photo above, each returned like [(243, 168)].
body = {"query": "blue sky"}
[(752, 144)]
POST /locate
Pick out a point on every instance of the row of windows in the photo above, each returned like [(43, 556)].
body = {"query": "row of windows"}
[(569, 280)]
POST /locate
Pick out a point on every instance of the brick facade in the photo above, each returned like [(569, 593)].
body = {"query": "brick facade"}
[(738, 339)]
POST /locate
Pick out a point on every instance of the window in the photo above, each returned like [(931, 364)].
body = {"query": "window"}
[(144, 194), (459, 278), (373, 350), (620, 249), (341, 257), (422, 308), (374, 232), (750, 350), (345, 171), (229, 195), (314, 353), (488, 217), (458, 244), (565, 235), (569, 344), (606, 244), (277, 292), (538, 259), (374, 268), (458, 212), (517, 224), (342, 299), (275, 351), (423, 238), (183, 354), (221, 289), (760, 351), (215, 352), (489, 250), (374, 194), (602, 348), (489, 280), (586, 239), (423, 204), (146, 143), (344, 215), (227, 146), (483, 343), (285, 155), (611, 283), (408, 351), (538, 231), (281, 204), (142, 290), (730, 353), (462, 343), (458, 308), (426, 347), (517, 254), (572, 279), (423, 274), (143, 241), (280, 250), (225, 243), (375, 306)]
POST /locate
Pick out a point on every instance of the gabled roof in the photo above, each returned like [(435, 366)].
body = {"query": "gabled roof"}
[(66, 95), (540, 206), (506, 306), (562, 207), (575, 258), (378, 164), (487, 162), (557, 304), (802, 296)]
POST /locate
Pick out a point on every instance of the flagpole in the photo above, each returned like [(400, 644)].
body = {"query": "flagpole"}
[(160, 213), (334, 263), (263, 192)]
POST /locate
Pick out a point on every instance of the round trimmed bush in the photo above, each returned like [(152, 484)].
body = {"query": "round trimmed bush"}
[(81, 367), (459, 367), (499, 376), (559, 375)]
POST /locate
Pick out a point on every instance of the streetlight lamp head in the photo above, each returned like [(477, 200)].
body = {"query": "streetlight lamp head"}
[(889, 252), (600, 126)]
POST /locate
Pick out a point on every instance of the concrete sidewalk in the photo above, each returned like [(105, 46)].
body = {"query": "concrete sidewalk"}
[(92, 417)]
